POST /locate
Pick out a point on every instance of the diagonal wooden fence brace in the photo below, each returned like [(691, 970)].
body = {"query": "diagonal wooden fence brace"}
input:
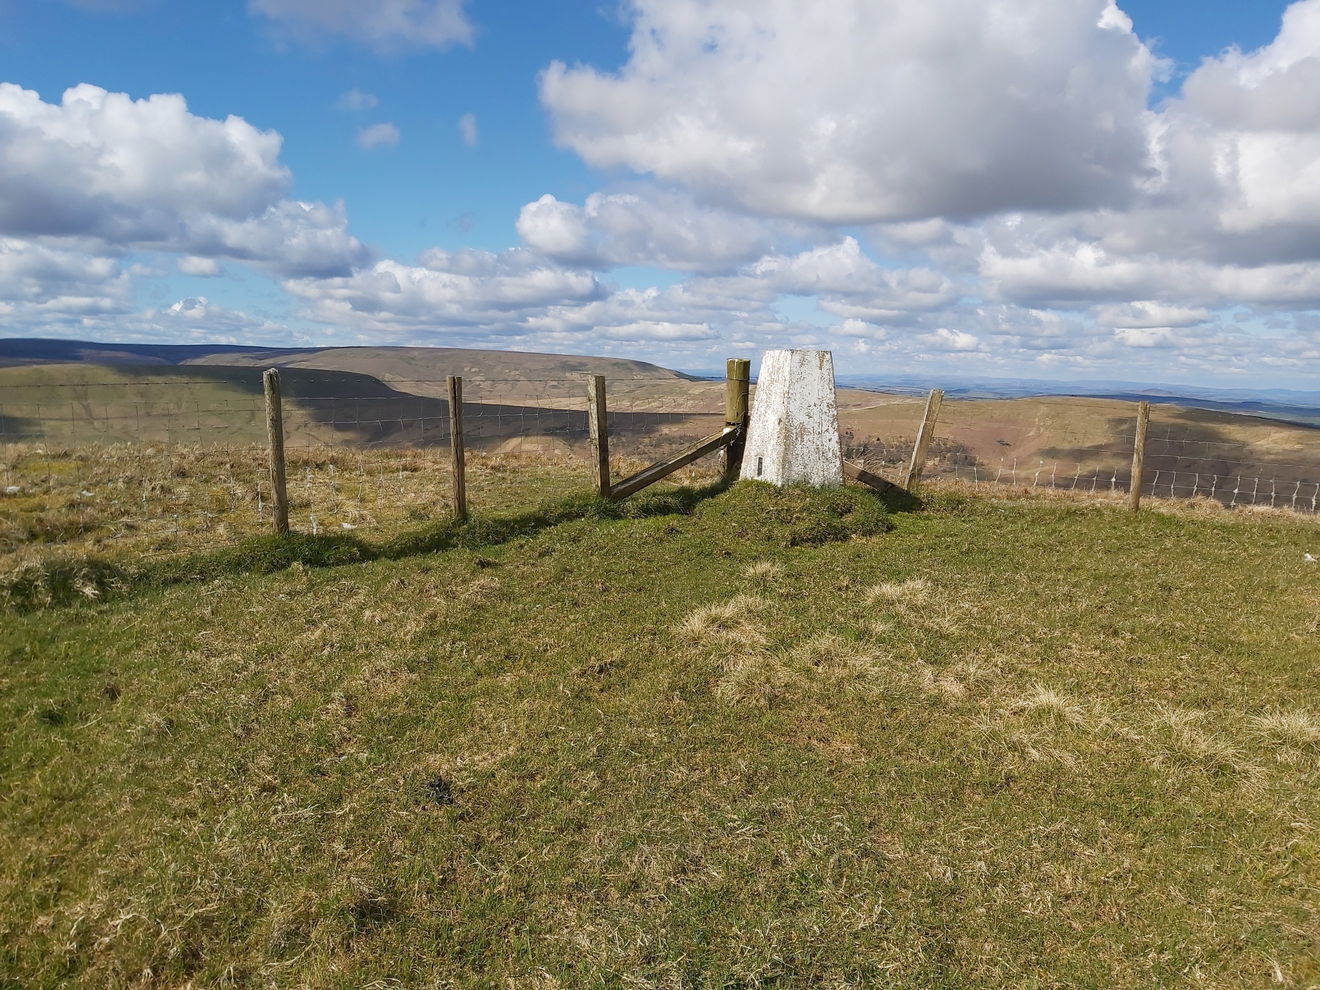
[(873, 481), (642, 479)]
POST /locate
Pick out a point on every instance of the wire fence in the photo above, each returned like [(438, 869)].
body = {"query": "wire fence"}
[(162, 465), (1086, 445), (178, 462)]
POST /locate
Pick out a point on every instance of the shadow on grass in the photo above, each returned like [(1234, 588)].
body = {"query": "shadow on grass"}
[(56, 582), (897, 500)]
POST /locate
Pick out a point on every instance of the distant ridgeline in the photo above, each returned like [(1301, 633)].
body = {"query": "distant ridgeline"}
[(1299, 407), (410, 363)]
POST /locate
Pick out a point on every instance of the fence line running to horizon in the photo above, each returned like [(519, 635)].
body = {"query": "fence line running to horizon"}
[(158, 466)]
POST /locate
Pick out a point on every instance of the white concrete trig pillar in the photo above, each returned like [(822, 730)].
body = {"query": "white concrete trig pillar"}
[(793, 434)]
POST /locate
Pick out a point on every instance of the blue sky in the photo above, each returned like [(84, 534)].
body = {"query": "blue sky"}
[(1058, 189)]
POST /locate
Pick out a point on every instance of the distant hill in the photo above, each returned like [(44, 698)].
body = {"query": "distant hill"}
[(418, 365), (364, 396), (1289, 405), (1030, 437), (75, 403), (39, 350)]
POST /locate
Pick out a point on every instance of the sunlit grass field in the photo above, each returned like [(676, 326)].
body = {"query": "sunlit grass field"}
[(128, 501), (746, 738)]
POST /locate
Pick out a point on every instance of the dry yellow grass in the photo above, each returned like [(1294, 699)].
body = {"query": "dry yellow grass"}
[(735, 622), (764, 572), (914, 591), (1298, 729), (123, 500)]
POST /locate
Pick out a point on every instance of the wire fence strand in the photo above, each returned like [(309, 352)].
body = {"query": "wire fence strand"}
[(178, 462)]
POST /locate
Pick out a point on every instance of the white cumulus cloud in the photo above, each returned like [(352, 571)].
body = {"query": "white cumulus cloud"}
[(463, 288), (106, 174), (865, 110), (467, 129), (200, 267), (41, 284), (384, 135), (102, 164), (382, 25), (652, 227), (356, 99)]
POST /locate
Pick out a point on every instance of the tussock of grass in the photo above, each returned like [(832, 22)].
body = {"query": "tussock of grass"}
[(914, 591), (833, 655), (1298, 729), (757, 678), (58, 581), (797, 516), (1181, 739), (735, 622), (764, 573), (1023, 747), (1052, 705), (948, 684)]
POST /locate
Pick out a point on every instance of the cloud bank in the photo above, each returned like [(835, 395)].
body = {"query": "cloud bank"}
[(983, 185)]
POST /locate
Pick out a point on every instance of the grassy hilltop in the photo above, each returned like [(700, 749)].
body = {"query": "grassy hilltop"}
[(739, 739)]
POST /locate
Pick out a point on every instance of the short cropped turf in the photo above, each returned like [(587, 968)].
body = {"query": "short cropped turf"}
[(765, 739)]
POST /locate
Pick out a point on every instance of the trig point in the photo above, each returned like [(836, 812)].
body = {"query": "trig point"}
[(793, 435)]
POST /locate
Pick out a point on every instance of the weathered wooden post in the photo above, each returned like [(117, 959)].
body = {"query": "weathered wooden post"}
[(793, 431), (1139, 455), (275, 437), (924, 436), (598, 426), (737, 378), (457, 459)]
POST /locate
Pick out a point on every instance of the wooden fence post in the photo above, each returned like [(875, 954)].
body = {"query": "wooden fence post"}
[(598, 424), (275, 435), (737, 378), (1139, 455), (924, 435), (457, 461)]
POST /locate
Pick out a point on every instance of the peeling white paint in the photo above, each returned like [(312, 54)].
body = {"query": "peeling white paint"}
[(793, 432)]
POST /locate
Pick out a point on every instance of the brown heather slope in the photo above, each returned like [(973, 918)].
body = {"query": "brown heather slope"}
[(1093, 434), (74, 404), (423, 369)]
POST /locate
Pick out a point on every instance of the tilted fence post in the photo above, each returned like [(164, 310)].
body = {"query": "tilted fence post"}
[(457, 460), (275, 434), (1139, 454), (924, 435), (599, 427), (737, 386)]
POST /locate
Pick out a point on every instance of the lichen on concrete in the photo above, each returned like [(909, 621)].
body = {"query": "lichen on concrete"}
[(793, 431)]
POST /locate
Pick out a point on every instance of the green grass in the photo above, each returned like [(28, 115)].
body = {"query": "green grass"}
[(758, 739), (125, 502)]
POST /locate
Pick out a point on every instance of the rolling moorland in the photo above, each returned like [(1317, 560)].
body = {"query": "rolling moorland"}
[(711, 736), (370, 395), (120, 449)]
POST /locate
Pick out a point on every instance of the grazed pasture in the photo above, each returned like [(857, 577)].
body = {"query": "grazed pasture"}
[(756, 739)]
